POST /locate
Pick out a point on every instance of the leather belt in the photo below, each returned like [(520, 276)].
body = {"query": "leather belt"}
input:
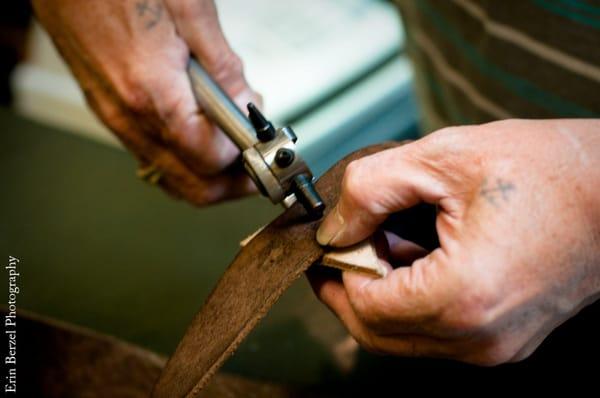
[(257, 277)]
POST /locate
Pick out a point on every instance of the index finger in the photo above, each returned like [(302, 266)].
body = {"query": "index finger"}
[(408, 300), (376, 186)]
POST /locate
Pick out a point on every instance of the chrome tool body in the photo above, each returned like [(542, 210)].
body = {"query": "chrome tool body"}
[(269, 154)]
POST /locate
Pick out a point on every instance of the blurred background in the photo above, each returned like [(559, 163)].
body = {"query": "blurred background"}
[(101, 249)]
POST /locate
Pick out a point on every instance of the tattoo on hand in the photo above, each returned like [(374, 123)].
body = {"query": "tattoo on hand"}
[(495, 193), (150, 11)]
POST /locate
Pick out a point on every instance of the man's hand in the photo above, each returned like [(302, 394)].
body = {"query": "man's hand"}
[(130, 58), (519, 229)]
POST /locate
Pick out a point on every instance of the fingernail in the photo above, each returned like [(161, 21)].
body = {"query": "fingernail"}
[(330, 228)]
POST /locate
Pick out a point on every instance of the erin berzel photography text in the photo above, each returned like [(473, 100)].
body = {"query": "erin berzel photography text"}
[(10, 327)]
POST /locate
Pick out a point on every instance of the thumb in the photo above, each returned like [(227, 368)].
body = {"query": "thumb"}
[(376, 186)]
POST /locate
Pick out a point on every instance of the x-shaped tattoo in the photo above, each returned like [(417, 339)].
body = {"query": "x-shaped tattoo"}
[(152, 11), (492, 194)]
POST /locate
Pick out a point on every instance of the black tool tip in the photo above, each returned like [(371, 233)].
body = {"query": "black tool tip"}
[(307, 194), (264, 129)]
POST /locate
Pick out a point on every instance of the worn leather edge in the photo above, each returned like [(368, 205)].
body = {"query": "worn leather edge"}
[(245, 331), (177, 379)]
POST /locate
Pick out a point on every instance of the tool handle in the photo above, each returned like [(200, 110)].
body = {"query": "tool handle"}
[(220, 108)]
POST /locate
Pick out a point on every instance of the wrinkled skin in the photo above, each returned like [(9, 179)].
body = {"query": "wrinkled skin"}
[(130, 57), (519, 220), (519, 228)]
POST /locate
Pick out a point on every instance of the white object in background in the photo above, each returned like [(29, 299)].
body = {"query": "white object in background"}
[(296, 53)]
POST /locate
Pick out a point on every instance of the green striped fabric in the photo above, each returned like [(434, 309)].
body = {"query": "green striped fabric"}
[(484, 60)]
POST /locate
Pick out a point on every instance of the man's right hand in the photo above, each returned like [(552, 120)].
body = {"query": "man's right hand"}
[(130, 58), (519, 232)]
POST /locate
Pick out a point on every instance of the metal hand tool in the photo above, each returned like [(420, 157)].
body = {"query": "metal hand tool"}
[(269, 154)]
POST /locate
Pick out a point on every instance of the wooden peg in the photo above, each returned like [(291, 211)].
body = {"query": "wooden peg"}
[(365, 256), (248, 238)]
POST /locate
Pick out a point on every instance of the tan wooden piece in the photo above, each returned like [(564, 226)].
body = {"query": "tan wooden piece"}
[(365, 257)]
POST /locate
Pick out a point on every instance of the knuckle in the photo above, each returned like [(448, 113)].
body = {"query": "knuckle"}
[(181, 183), (366, 311), (228, 68), (494, 354), (137, 101), (353, 184), (439, 139), (135, 96), (108, 112), (172, 112), (521, 356), (471, 310), (468, 319), (115, 120), (428, 305), (185, 9), (450, 132), (454, 135), (368, 343), (448, 140)]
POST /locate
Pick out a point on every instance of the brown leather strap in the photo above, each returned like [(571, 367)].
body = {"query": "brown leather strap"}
[(258, 276)]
